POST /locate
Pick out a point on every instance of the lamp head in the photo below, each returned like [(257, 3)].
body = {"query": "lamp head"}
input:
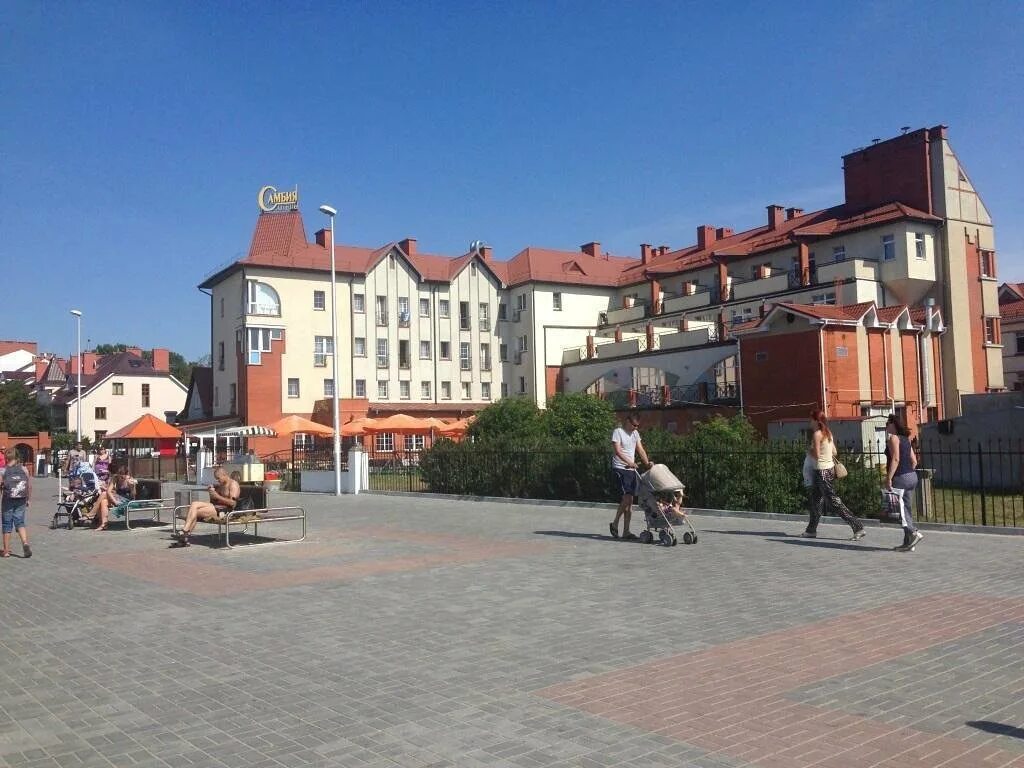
[(76, 312), (328, 210)]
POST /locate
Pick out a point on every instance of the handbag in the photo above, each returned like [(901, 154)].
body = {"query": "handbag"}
[(840, 469), (892, 505)]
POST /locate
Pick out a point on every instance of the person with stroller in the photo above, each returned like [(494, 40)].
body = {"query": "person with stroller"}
[(823, 492), (223, 498), (115, 496), (901, 477), (17, 490), (626, 445)]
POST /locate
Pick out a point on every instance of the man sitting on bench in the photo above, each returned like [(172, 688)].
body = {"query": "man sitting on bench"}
[(223, 498)]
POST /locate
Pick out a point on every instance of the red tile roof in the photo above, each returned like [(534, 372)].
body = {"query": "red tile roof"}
[(1012, 311), (1014, 289), (566, 267), (827, 222)]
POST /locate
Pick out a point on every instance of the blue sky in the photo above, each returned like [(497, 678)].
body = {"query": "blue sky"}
[(136, 135)]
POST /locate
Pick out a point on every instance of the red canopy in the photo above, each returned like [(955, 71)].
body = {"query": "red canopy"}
[(147, 427)]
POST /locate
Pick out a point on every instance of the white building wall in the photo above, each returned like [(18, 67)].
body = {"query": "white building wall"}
[(165, 394)]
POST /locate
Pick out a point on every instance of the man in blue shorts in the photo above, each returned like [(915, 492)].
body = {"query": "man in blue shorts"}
[(626, 444)]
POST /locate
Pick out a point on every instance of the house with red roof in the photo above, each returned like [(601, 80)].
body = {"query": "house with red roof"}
[(446, 335), (1011, 310)]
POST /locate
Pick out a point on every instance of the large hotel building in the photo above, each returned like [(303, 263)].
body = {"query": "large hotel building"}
[(887, 300)]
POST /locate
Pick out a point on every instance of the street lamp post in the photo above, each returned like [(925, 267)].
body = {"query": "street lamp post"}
[(331, 212), (78, 390)]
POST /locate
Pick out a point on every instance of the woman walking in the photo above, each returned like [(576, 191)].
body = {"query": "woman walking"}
[(901, 477), (823, 492), (17, 489)]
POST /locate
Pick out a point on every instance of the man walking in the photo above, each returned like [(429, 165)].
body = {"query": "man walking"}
[(626, 444)]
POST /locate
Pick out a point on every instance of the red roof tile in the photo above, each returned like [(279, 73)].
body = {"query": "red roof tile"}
[(1012, 311), (572, 267)]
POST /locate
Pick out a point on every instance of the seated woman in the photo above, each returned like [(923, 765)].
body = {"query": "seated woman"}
[(115, 497)]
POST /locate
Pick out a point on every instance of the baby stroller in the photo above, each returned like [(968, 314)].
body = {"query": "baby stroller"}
[(76, 506), (658, 488)]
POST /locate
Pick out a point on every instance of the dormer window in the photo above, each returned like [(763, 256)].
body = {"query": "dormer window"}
[(261, 299)]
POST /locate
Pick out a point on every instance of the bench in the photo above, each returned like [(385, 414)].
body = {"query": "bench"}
[(255, 513), (148, 498)]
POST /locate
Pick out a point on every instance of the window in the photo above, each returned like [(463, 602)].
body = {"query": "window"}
[(504, 389), (232, 398), (521, 344), (485, 314), (382, 389), (829, 297), (425, 390), (382, 353), (503, 353), (424, 307), (319, 301), (1020, 343), (221, 311), (424, 350), (992, 330), (467, 390), (464, 324), (404, 358), (446, 390), (502, 311), (472, 269), (465, 359), (101, 414), (358, 303), (888, 247), (485, 357), (293, 387), (328, 387), (259, 342), (391, 260), (145, 395), (359, 346), (485, 390), (403, 311), (360, 387), (919, 249), (521, 302), (322, 347), (118, 388), (99, 434), (403, 390), (446, 350), (760, 357), (382, 310), (812, 267), (988, 263), (443, 308), (261, 299), (933, 413), (842, 351), (414, 442), (839, 253), (384, 441), (556, 301), (522, 385), (220, 356)]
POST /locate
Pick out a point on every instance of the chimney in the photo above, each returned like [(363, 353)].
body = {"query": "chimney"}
[(591, 249), (161, 360), (90, 362), (323, 237), (723, 232), (662, 250), (137, 351), (792, 213), (645, 253), (775, 216), (485, 252), (705, 237), (408, 245), (41, 368)]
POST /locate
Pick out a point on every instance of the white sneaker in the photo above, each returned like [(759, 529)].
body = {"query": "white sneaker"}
[(916, 537)]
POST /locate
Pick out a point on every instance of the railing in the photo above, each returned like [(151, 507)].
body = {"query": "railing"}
[(664, 397)]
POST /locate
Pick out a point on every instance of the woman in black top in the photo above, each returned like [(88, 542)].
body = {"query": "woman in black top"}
[(901, 477)]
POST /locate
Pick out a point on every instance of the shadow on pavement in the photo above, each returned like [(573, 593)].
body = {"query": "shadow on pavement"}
[(1000, 729), (851, 545), (578, 535), (746, 533)]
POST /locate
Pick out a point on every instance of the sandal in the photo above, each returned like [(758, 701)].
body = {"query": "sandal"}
[(5, 554)]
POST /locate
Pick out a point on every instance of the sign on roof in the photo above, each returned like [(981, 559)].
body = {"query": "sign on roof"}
[(270, 199)]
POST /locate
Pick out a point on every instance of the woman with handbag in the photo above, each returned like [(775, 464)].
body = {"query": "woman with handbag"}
[(823, 492), (901, 477)]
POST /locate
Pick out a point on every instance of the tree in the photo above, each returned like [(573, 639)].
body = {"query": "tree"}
[(579, 420), (515, 421), (20, 414), (181, 369)]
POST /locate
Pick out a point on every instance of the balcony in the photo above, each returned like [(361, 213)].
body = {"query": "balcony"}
[(637, 312), (749, 289), (382, 361), (855, 269), (699, 298), (403, 319)]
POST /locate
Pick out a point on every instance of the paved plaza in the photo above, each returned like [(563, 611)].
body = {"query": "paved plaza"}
[(422, 632)]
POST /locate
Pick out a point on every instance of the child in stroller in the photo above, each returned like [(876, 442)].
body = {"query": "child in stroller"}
[(75, 508), (661, 496)]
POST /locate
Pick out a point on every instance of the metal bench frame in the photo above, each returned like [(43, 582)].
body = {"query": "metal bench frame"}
[(155, 505), (247, 517)]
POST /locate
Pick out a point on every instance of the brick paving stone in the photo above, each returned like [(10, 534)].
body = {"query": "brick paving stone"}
[(427, 632)]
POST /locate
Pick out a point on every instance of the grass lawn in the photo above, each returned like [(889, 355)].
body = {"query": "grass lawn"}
[(954, 505)]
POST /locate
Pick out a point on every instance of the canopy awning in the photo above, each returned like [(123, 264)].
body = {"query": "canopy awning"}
[(356, 427), (146, 427), (248, 431), (402, 423), (295, 424)]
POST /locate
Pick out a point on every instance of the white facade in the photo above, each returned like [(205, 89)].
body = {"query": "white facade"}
[(117, 400)]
